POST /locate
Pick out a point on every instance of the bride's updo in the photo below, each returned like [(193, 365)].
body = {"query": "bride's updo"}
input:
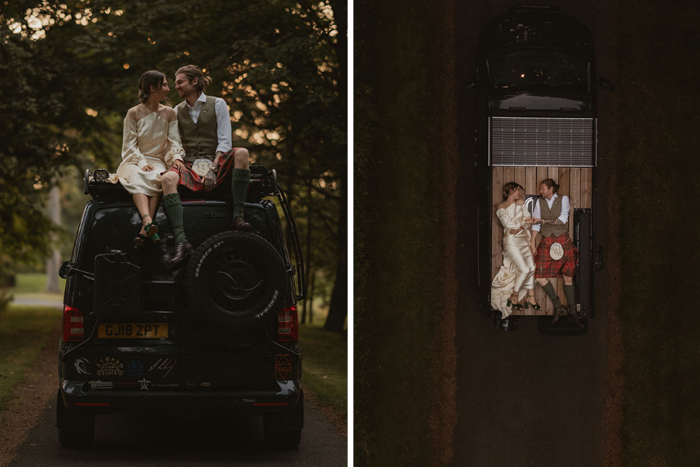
[(148, 79), (508, 187)]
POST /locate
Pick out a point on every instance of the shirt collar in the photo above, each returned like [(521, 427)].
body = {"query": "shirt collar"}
[(199, 102)]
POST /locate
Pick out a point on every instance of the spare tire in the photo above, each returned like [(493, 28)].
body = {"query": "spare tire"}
[(236, 277)]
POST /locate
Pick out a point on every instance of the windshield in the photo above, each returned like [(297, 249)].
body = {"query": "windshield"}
[(530, 70)]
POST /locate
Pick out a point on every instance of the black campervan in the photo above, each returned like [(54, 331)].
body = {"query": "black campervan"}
[(220, 333), (536, 85)]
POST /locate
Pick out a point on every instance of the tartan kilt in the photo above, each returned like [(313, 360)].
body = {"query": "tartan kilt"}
[(189, 179), (546, 267)]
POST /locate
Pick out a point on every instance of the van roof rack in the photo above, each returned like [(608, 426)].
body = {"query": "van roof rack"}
[(102, 185)]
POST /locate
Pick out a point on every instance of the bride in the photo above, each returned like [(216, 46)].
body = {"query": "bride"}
[(516, 278)]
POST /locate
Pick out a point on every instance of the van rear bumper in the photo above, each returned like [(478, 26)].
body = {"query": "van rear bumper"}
[(77, 396)]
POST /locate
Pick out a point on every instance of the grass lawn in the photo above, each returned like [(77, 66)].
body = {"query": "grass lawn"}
[(34, 284), (325, 366), (24, 330)]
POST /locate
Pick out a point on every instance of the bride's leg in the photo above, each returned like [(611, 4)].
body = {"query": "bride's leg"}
[(142, 205), (525, 269)]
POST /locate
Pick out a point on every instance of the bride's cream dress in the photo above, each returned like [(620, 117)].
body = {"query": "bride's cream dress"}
[(149, 138), (517, 275)]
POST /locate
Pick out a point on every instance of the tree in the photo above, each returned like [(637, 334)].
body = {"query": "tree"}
[(278, 64), (54, 261)]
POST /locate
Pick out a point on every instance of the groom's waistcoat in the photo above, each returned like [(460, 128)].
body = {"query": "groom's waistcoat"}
[(547, 230), (198, 139)]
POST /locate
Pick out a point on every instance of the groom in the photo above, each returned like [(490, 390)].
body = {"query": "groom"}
[(205, 129), (554, 212)]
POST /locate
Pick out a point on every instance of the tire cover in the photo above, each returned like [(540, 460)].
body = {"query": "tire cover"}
[(236, 277)]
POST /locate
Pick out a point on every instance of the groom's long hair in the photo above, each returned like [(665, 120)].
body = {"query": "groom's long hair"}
[(192, 72)]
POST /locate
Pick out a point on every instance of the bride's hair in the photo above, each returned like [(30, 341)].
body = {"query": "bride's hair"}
[(508, 187), (192, 72), (550, 183), (148, 79)]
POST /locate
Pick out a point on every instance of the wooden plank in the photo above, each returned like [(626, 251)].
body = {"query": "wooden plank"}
[(496, 227), (564, 189), (586, 187), (531, 182), (542, 173), (519, 176), (574, 196), (553, 173), (508, 175), (564, 181)]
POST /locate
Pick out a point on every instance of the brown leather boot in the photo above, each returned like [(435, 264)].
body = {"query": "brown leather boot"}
[(559, 310), (240, 224), (182, 249), (573, 316)]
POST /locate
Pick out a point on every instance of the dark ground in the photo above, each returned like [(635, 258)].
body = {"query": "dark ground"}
[(625, 393), (28, 434)]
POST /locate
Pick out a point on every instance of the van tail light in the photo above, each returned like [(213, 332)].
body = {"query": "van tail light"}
[(288, 325), (73, 325)]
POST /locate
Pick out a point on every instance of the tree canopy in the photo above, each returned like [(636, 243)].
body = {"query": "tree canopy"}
[(69, 72)]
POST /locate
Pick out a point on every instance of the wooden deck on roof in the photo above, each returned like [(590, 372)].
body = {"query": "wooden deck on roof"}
[(576, 183)]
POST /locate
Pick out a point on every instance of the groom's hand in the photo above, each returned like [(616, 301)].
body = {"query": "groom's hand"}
[(209, 180)]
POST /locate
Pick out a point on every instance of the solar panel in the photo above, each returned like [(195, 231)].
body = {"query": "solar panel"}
[(542, 141)]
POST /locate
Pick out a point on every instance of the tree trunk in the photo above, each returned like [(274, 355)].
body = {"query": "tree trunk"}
[(310, 298), (53, 263), (338, 311), (308, 252)]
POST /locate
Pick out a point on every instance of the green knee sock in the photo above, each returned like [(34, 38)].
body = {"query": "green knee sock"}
[(552, 294), (570, 294), (173, 209), (239, 187)]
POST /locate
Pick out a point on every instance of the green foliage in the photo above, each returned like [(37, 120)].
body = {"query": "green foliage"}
[(68, 82)]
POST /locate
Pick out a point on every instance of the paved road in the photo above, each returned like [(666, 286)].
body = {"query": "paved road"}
[(168, 440), (128, 440), (524, 399)]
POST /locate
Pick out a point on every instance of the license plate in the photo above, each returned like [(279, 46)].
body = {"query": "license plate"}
[(133, 331)]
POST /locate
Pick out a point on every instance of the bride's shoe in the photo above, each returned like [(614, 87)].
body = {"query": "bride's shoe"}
[(534, 306)]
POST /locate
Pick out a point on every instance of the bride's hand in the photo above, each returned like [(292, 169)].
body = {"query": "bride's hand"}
[(147, 168)]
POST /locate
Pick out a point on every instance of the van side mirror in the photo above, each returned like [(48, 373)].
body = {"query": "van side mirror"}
[(65, 268), (606, 84), (68, 269)]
